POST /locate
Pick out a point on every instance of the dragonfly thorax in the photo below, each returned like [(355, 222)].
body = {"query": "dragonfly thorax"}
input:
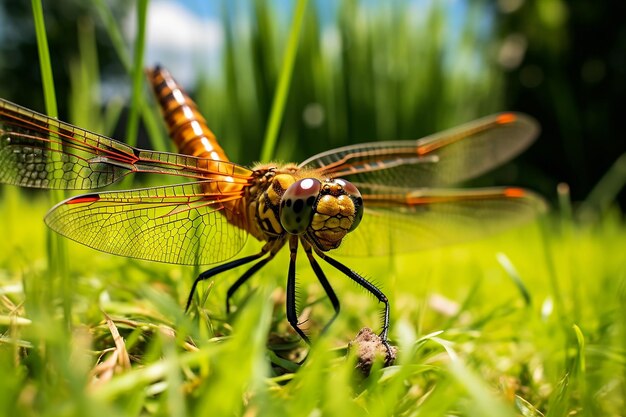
[(323, 211)]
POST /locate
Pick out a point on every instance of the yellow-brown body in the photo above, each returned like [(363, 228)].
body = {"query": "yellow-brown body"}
[(258, 212)]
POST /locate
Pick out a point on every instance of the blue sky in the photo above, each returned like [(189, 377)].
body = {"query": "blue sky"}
[(208, 8), (186, 34)]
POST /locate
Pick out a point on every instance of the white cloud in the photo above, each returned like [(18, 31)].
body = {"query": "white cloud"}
[(171, 25), (181, 41), (331, 41)]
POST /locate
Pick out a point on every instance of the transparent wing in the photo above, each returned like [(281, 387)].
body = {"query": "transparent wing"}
[(191, 224), (401, 220), (441, 159), (41, 152)]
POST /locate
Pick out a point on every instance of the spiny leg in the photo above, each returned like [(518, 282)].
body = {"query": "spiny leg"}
[(292, 314), (245, 277), (226, 267), (324, 281), (373, 289)]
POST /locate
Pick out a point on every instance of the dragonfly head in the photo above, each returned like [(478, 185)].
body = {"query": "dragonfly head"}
[(323, 210)]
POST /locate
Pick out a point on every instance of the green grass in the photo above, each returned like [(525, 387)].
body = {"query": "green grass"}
[(475, 336), (282, 90), (531, 322)]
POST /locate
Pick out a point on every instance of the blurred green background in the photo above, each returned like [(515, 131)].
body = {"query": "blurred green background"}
[(365, 70)]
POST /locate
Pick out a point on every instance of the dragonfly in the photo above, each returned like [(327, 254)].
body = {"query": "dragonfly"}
[(369, 199)]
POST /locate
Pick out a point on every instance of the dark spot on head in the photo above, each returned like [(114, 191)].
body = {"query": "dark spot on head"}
[(310, 201), (289, 202), (282, 203), (298, 219), (294, 232), (298, 205)]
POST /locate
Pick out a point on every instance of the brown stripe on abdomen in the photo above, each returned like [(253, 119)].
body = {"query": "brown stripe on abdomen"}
[(187, 127)]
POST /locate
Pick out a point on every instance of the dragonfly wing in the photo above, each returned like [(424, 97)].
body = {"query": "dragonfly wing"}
[(405, 221), (42, 152), (444, 158), (181, 224)]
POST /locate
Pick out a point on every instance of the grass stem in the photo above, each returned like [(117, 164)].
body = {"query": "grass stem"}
[(282, 92)]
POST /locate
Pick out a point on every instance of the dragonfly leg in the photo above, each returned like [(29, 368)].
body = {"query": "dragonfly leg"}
[(324, 282), (230, 265), (373, 289), (245, 277), (292, 314)]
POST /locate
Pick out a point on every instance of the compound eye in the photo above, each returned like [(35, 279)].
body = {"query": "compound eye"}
[(354, 193), (296, 205)]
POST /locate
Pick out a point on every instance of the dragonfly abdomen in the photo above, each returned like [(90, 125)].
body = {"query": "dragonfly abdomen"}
[(186, 126)]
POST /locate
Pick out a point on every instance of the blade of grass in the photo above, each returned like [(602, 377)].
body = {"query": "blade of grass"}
[(565, 202), (512, 272), (137, 74), (114, 32), (605, 191), (44, 60), (280, 98), (56, 246), (482, 402), (555, 284), (262, 55), (580, 350), (148, 113), (85, 96)]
